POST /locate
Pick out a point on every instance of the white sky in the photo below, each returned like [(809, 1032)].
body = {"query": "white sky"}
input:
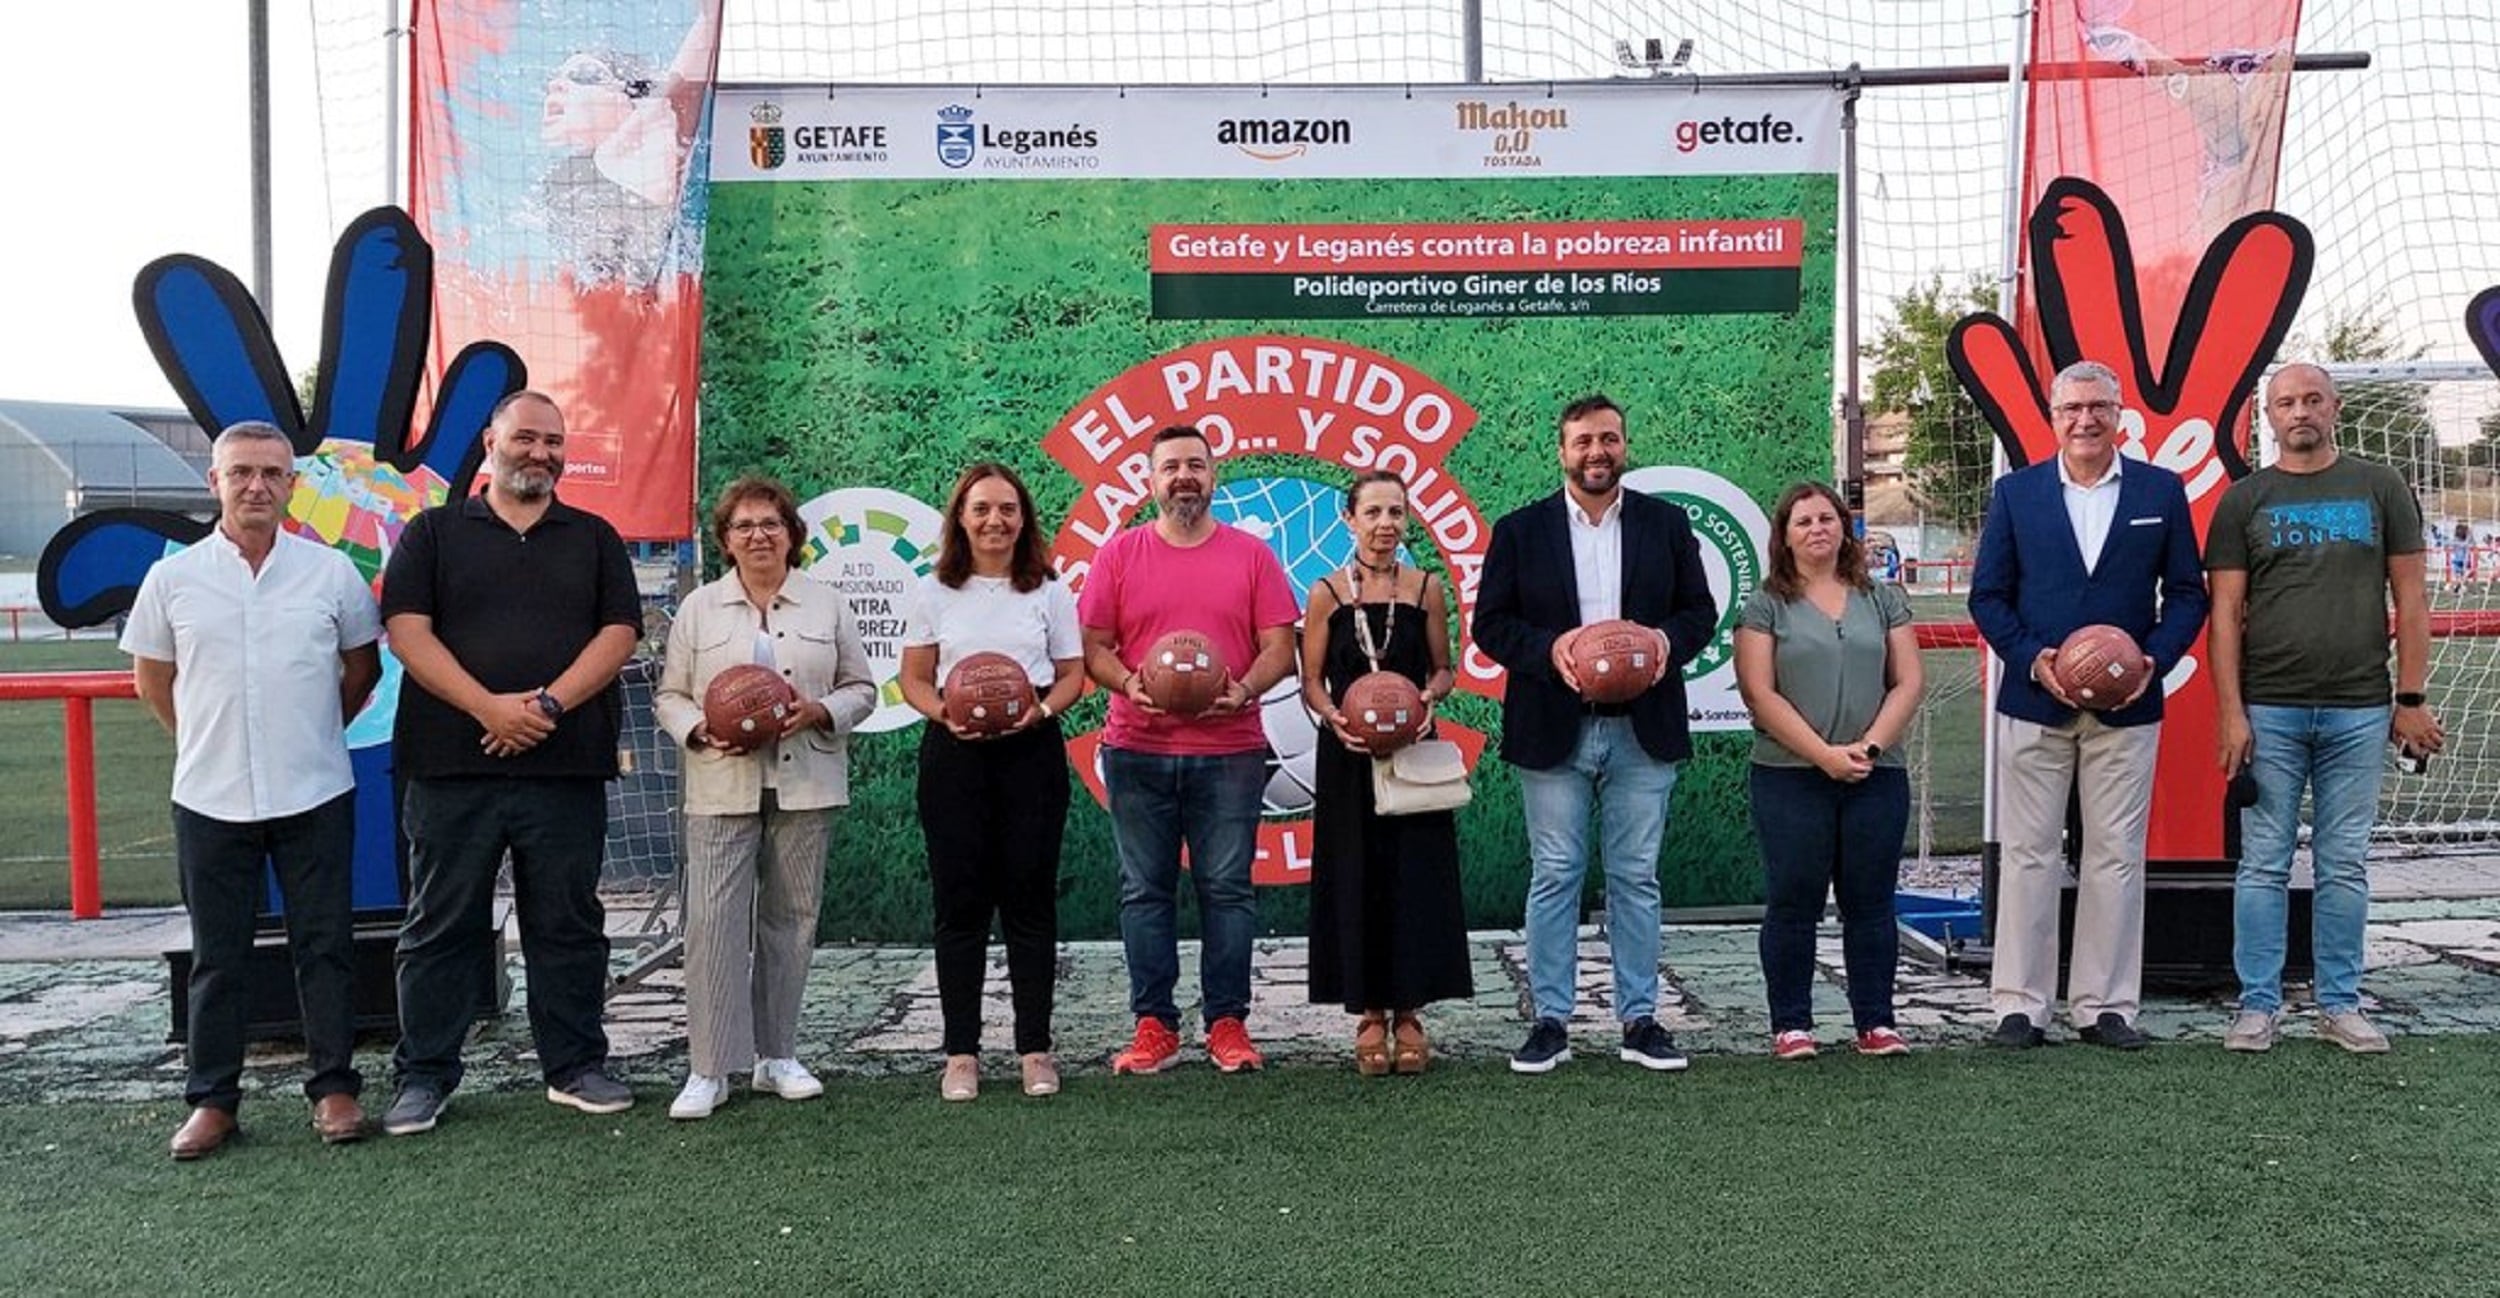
[(128, 140)]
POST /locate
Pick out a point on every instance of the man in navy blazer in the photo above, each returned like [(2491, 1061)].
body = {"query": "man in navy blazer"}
[(2087, 537), (1593, 552)]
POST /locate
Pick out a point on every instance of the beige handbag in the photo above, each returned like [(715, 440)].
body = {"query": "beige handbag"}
[(1427, 775)]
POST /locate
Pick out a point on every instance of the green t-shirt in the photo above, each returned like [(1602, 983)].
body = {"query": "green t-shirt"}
[(1831, 672), (2315, 547)]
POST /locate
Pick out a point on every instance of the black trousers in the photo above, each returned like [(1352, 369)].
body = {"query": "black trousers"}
[(992, 812), (458, 831), (220, 864)]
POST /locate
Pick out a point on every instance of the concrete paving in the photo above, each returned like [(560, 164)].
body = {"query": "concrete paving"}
[(84, 1006)]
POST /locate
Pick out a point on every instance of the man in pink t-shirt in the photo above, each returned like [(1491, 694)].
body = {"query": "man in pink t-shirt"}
[(1174, 780)]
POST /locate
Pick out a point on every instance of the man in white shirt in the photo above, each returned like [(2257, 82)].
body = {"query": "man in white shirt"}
[(253, 648)]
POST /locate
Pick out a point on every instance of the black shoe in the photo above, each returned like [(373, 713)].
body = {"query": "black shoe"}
[(417, 1109), (1651, 1046), (2016, 1032), (2116, 1033), (1547, 1045)]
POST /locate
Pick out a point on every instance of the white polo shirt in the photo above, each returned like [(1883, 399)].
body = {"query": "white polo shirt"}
[(257, 730)]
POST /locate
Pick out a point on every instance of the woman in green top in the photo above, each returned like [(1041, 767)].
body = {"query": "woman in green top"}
[(1829, 667)]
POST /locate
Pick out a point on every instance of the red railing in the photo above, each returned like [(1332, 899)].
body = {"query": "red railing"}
[(77, 692)]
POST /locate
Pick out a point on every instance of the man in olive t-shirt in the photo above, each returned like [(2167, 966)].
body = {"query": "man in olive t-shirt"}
[(2303, 558)]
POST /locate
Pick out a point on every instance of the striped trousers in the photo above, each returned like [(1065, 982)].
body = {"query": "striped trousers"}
[(752, 887)]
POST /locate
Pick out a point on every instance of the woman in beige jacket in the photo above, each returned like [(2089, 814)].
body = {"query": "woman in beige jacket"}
[(758, 819)]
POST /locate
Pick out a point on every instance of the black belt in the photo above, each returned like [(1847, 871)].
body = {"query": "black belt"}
[(1605, 709)]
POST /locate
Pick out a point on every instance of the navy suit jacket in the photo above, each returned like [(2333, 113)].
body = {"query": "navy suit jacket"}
[(2029, 590), (1530, 595)]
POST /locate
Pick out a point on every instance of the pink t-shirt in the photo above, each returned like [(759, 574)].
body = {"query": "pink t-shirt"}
[(1227, 588)]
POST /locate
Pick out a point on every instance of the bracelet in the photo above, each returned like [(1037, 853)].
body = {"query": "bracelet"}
[(1047, 713)]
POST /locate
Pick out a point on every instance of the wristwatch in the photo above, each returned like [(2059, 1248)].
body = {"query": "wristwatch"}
[(547, 704), (1874, 750), (2411, 699)]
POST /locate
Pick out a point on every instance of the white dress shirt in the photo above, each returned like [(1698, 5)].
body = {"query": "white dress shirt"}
[(257, 730), (2091, 507), (1597, 558)]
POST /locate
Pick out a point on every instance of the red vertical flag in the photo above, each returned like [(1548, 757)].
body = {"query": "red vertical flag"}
[(557, 163), (2174, 110)]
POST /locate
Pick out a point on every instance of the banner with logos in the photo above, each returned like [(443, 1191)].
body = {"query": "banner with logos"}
[(901, 280), (558, 163)]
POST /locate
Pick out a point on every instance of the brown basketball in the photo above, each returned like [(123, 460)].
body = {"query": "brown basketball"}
[(745, 705), (988, 693), (2100, 666), (1385, 709), (1616, 661), (1183, 673)]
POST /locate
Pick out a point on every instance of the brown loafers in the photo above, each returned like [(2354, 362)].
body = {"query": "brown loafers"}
[(338, 1119), (203, 1133)]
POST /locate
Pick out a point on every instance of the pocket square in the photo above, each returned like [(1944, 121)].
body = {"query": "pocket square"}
[(2153, 521)]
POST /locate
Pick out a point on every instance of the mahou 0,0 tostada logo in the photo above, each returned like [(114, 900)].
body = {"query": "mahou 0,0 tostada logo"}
[(1273, 395)]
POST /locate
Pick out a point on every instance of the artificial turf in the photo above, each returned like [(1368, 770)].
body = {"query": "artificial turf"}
[(2182, 1170)]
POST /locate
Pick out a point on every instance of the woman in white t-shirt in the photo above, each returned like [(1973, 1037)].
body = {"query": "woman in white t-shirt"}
[(992, 807)]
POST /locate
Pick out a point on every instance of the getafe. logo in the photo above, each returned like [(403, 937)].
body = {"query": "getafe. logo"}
[(955, 143), (1277, 139), (766, 147)]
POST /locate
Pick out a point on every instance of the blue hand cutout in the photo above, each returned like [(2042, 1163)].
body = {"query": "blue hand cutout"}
[(214, 345), (2482, 323)]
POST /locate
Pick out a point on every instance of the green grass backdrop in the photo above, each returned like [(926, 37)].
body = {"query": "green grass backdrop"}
[(885, 333)]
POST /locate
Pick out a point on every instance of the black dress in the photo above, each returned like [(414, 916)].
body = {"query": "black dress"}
[(1388, 927)]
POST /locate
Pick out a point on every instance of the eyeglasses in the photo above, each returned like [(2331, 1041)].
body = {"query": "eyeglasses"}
[(756, 527), (2078, 409)]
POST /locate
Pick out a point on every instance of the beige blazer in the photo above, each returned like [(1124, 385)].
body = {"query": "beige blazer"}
[(817, 646)]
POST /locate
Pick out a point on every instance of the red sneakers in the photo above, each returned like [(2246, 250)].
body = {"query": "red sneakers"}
[(1154, 1049), (1229, 1047), (1796, 1043), (1882, 1041)]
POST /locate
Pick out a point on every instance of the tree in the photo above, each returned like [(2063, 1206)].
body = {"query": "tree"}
[(1951, 451), (2384, 419)]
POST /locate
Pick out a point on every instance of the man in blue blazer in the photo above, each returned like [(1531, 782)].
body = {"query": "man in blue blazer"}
[(2087, 537), (1593, 552)]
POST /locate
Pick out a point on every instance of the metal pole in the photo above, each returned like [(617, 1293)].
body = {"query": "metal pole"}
[(1471, 19), (2009, 287), (262, 275), (392, 34), (1852, 408)]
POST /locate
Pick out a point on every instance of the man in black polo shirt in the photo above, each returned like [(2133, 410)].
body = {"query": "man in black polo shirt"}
[(512, 613)]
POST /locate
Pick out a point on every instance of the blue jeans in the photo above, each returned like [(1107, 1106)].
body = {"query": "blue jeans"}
[(1628, 788), (1821, 836), (1210, 804), (2336, 754)]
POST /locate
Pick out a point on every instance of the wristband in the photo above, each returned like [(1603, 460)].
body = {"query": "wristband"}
[(548, 705), (2411, 699)]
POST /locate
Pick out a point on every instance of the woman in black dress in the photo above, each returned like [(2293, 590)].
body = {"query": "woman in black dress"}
[(1388, 929)]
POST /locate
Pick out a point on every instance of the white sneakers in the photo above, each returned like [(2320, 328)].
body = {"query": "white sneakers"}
[(701, 1096), (787, 1078)]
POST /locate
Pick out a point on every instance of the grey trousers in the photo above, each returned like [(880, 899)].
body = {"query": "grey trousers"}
[(2112, 770), (753, 883)]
